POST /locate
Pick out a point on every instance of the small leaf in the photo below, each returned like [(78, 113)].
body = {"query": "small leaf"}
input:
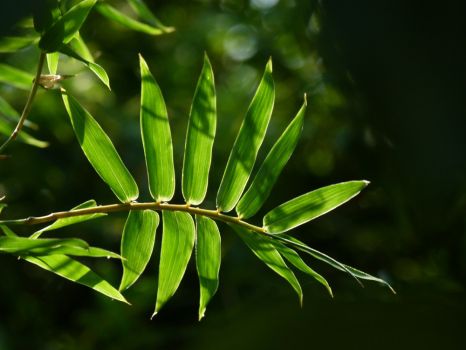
[(16, 43), (311, 205), (52, 62), (264, 249), (79, 46), (45, 14), (208, 258), (271, 168), (2, 206), (71, 220), (200, 138), (5, 229), (156, 137), (6, 128), (74, 271), (137, 244), (247, 143), (15, 77), (177, 245), (22, 245), (100, 151), (64, 29), (128, 22), (146, 14)]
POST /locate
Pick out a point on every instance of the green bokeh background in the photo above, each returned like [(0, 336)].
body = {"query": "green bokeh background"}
[(385, 82)]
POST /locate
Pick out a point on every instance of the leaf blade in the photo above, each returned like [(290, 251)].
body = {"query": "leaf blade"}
[(15, 77), (146, 14)]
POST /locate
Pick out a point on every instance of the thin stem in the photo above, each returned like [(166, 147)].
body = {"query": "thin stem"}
[(111, 208), (27, 107)]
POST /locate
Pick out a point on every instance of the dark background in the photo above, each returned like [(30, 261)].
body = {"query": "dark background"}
[(386, 82)]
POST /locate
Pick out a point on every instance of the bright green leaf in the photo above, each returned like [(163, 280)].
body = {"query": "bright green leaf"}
[(52, 62), (311, 205), (247, 143), (137, 244), (146, 14), (15, 77), (271, 168), (100, 151), (79, 46), (5, 229), (156, 137), (200, 138), (177, 245), (15, 43), (22, 245), (208, 258)]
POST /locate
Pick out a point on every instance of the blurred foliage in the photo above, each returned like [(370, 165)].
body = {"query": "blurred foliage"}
[(385, 82)]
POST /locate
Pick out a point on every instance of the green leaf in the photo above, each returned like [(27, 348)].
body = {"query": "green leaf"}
[(22, 245), (177, 245), (137, 244), (146, 14), (52, 62), (45, 14), (200, 138), (271, 168), (6, 230), (128, 22), (15, 77), (74, 271), (71, 220), (156, 137), (64, 29), (264, 249), (79, 46), (311, 205), (6, 128), (2, 206), (208, 258), (247, 143), (100, 151), (7, 110), (15, 43)]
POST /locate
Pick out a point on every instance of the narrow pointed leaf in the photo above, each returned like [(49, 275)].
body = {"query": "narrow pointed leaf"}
[(311, 205), (79, 46), (156, 137), (52, 62), (5, 229), (10, 114), (264, 249), (15, 77), (64, 29), (177, 245), (271, 168), (250, 136), (6, 128), (22, 245), (74, 271), (137, 244), (2, 206), (100, 151), (15, 43), (200, 138), (146, 14), (208, 258), (126, 21)]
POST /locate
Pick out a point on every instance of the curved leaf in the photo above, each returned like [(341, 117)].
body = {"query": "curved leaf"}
[(100, 151), (156, 137), (200, 138), (208, 258), (271, 168), (247, 143), (177, 245), (146, 14), (137, 244), (311, 205), (15, 77)]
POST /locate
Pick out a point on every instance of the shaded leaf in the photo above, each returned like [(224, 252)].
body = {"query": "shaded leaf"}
[(146, 14), (137, 244), (5, 229), (45, 14), (52, 62), (271, 168), (6, 128), (100, 151), (208, 258), (156, 137), (15, 77), (177, 245), (15, 43), (200, 138), (311, 205), (250, 136)]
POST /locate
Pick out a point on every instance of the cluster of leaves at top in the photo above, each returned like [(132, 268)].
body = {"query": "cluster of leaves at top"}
[(181, 232)]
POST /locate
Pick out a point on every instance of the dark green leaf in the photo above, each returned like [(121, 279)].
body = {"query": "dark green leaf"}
[(15, 77), (6, 128), (146, 14), (45, 14)]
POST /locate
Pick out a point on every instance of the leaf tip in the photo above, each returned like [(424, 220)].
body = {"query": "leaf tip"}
[(153, 315), (305, 100), (366, 183), (201, 314), (269, 67)]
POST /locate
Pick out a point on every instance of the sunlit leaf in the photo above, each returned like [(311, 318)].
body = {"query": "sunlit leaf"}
[(156, 137), (200, 138), (271, 168), (208, 258), (22, 245), (247, 143), (146, 14), (79, 46), (73, 270), (100, 151), (263, 248), (52, 62), (15, 43), (177, 245), (15, 77), (5, 229), (137, 244), (311, 205)]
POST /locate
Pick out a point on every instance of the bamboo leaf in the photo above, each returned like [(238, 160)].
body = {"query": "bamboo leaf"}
[(311, 205), (79, 46), (100, 151), (7, 128), (247, 143), (137, 244), (177, 245), (74, 271), (208, 258), (45, 14), (15, 43), (271, 168), (64, 29), (146, 14), (22, 245), (264, 249), (156, 137), (52, 62), (200, 138), (5, 229), (15, 77)]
